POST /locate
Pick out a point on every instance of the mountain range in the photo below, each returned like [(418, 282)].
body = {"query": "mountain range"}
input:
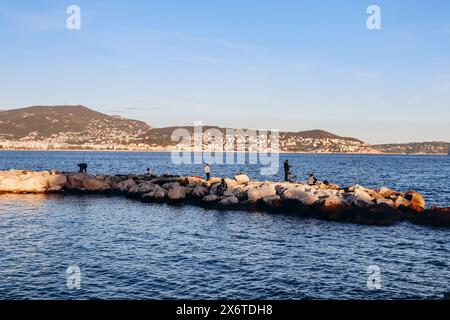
[(78, 127)]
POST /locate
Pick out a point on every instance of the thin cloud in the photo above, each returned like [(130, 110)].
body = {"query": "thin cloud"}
[(204, 40), (24, 20)]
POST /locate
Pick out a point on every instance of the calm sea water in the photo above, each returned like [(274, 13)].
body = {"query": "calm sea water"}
[(126, 249)]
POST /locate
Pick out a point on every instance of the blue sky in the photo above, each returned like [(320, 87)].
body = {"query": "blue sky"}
[(290, 65)]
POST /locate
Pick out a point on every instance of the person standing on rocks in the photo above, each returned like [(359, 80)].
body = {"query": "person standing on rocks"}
[(83, 167), (286, 170), (207, 171)]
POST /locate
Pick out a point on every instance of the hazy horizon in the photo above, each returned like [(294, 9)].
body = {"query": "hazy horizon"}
[(292, 66)]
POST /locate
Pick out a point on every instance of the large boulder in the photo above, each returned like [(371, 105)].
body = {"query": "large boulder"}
[(241, 178), (334, 204), (200, 191), (10, 184), (35, 184), (401, 202), (215, 180), (328, 186), (386, 201), (416, 199), (379, 214), (388, 193), (324, 193), (142, 188), (258, 193), (177, 193), (238, 192), (230, 182), (361, 199), (132, 176), (229, 201), (228, 193), (170, 185), (113, 181), (126, 185), (158, 193), (305, 198), (91, 184), (271, 202), (212, 198), (57, 180), (409, 206), (75, 180), (437, 217)]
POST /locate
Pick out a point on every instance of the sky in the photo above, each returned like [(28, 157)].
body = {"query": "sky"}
[(287, 65)]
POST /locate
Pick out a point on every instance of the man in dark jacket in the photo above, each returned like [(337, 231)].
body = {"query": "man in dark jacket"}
[(286, 170)]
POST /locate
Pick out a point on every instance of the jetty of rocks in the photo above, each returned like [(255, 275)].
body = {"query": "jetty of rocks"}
[(326, 201)]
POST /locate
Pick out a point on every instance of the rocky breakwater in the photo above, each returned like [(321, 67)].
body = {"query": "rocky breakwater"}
[(355, 204)]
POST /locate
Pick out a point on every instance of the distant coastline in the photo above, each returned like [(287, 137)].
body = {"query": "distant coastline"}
[(78, 128), (281, 152)]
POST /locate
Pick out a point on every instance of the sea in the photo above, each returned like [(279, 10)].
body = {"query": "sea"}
[(99, 247)]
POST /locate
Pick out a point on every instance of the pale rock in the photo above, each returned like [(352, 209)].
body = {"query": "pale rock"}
[(54, 189), (323, 193), (142, 188), (10, 183), (57, 180), (361, 199), (170, 185), (389, 202), (272, 200), (132, 176), (256, 194), (400, 201), (94, 185), (35, 184), (126, 185), (387, 193), (241, 178), (100, 177), (229, 201), (200, 191), (228, 193), (177, 193), (230, 182), (215, 180), (334, 204), (157, 193), (306, 198), (211, 198), (213, 187)]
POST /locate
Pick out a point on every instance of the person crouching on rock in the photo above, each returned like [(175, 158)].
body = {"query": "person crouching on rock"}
[(222, 187), (83, 167), (207, 172), (312, 180)]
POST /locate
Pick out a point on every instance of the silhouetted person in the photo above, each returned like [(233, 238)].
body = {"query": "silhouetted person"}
[(312, 180), (83, 167), (286, 170), (222, 187), (207, 171)]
